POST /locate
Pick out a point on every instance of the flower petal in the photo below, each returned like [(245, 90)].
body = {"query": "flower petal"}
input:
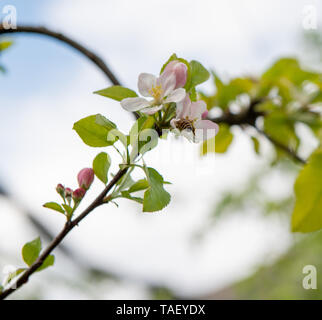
[(197, 109), (152, 110), (145, 82), (205, 129), (167, 80), (134, 104), (183, 107), (176, 95)]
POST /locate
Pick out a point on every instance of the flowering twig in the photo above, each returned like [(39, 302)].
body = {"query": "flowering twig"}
[(60, 237)]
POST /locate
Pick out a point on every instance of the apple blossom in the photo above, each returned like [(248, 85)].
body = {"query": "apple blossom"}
[(180, 70), (189, 122), (161, 89)]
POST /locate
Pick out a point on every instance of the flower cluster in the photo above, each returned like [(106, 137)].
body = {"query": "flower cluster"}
[(168, 89), (85, 178)]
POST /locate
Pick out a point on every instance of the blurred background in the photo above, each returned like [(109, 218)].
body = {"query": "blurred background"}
[(226, 232)]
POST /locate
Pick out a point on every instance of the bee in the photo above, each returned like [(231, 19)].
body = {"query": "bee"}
[(185, 124)]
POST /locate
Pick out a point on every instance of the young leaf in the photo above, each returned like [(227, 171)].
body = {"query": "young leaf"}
[(54, 206), (31, 251), (92, 133), (101, 165), (117, 93), (199, 73), (155, 197), (139, 185), (126, 194), (14, 274), (104, 122), (68, 209), (255, 144), (308, 192), (49, 261)]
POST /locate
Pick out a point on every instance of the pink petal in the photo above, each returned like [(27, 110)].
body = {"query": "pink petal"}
[(197, 109), (205, 129), (134, 104), (183, 108), (180, 70), (145, 82)]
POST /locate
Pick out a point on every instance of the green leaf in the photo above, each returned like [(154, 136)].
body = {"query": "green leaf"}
[(307, 215), (14, 274), (5, 45), (92, 133), (139, 185), (31, 251), (104, 122), (280, 127), (49, 261), (68, 209), (255, 144), (126, 194), (54, 206), (117, 93), (199, 73), (155, 197), (101, 165), (220, 143)]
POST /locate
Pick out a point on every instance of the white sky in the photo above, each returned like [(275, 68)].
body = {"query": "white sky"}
[(233, 37)]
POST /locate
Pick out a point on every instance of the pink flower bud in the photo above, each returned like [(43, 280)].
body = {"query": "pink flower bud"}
[(78, 194), (60, 189), (180, 70), (68, 193), (85, 178), (204, 114)]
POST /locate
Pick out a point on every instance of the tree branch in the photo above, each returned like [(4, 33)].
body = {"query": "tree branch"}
[(67, 228), (249, 117), (59, 36)]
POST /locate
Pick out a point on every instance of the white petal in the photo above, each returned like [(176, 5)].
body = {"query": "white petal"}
[(167, 80), (205, 129), (197, 109), (152, 110), (176, 95), (145, 83), (134, 104)]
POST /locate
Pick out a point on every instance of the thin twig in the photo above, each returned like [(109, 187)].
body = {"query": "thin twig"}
[(67, 228), (281, 146), (59, 36)]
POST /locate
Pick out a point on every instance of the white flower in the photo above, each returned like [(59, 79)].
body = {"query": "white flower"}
[(161, 89), (189, 122)]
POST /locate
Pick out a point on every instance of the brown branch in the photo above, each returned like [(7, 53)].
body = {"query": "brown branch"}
[(59, 36), (249, 117), (67, 228)]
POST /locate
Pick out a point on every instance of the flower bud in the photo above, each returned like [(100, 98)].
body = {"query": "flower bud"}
[(68, 193), (204, 114), (78, 194), (180, 70), (85, 178), (60, 190)]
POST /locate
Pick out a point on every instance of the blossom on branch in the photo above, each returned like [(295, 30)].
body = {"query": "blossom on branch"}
[(189, 121)]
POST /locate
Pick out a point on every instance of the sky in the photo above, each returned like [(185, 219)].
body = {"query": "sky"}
[(49, 86)]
